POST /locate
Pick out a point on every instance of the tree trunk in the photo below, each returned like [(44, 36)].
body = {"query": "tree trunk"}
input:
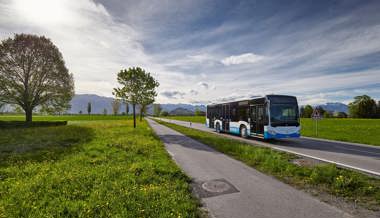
[(141, 114), (28, 115), (134, 115)]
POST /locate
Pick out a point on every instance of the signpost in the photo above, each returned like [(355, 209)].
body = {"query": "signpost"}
[(316, 115)]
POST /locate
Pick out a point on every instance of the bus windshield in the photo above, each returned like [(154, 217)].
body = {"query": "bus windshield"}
[(284, 114)]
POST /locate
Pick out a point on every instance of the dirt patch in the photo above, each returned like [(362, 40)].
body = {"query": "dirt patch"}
[(306, 162)]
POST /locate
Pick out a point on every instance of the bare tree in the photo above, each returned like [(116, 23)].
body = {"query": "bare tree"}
[(116, 106), (33, 73)]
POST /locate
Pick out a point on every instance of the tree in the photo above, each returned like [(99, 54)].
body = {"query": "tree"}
[(80, 112), (164, 113), (126, 107), (198, 112), (148, 93), (308, 111), (105, 111), (89, 108), (116, 106), (362, 107), (1, 106), (157, 110), (340, 114), (138, 87), (302, 111), (33, 73), (378, 109), (327, 114)]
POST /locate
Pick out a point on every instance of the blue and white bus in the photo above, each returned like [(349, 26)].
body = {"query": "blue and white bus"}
[(268, 117)]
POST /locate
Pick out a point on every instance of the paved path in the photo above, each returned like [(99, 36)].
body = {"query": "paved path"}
[(364, 158), (258, 196)]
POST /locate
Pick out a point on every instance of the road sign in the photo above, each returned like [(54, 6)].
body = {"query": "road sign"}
[(316, 115)]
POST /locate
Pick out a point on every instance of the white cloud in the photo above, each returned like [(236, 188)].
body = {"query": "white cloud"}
[(247, 58), (203, 85)]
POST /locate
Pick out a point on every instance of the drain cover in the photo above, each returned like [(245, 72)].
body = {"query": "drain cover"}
[(211, 188), (215, 186)]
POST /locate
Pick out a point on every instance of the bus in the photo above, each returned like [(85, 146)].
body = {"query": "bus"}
[(268, 117)]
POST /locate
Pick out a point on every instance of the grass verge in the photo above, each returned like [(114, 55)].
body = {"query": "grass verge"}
[(90, 169), (352, 186), (366, 131), (194, 119)]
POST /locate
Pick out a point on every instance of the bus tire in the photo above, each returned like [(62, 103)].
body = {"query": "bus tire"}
[(217, 127), (243, 132)]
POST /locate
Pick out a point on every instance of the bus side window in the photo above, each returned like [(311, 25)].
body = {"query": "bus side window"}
[(253, 116), (233, 117), (260, 114)]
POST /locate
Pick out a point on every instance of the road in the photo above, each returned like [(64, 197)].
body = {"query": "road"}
[(229, 188), (363, 158)]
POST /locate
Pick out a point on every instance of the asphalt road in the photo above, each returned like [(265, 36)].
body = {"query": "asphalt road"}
[(232, 189), (364, 158)]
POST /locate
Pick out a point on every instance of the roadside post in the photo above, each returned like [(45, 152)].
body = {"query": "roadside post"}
[(316, 116)]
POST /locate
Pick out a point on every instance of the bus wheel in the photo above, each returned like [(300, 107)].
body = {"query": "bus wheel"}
[(217, 128), (243, 132)]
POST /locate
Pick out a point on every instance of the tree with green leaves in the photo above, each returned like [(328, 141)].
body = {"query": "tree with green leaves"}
[(362, 107), (89, 108), (33, 73), (105, 111), (307, 111), (157, 110), (137, 87), (116, 106)]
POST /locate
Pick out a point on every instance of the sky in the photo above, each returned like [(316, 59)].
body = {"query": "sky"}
[(212, 51)]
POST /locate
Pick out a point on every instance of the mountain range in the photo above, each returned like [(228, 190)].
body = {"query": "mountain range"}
[(99, 103)]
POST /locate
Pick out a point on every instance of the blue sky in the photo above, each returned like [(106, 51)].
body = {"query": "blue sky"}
[(207, 51)]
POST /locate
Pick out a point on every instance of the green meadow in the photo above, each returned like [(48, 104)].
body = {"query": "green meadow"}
[(96, 166), (366, 131)]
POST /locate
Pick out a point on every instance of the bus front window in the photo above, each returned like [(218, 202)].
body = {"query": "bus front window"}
[(284, 114)]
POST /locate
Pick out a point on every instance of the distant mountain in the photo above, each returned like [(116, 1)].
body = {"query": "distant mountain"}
[(190, 107), (336, 106), (98, 103), (181, 112)]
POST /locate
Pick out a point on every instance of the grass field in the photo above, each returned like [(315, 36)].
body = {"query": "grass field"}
[(90, 169), (83, 117), (194, 119), (352, 186), (366, 131)]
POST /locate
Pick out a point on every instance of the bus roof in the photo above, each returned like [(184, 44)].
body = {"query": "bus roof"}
[(276, 98)]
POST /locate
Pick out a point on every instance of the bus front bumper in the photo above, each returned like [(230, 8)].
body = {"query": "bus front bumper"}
[(281, 132)]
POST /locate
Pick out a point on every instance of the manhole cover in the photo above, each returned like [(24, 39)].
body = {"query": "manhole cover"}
[(211, 188), (215, 186)]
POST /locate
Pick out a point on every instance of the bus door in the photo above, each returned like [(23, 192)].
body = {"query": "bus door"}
[(261, 119), (226, 117), (253, 118)]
